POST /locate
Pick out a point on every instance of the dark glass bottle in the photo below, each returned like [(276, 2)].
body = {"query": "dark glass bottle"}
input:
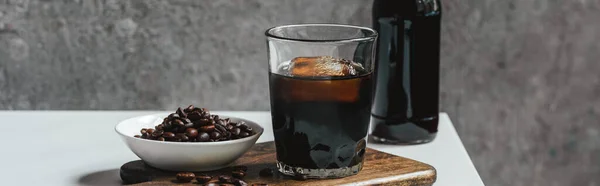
[(405, 108)]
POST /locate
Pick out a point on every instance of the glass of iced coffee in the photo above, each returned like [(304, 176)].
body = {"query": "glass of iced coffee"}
[(321, 86)]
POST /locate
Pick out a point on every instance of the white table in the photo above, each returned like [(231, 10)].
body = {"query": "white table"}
[(81, 148)]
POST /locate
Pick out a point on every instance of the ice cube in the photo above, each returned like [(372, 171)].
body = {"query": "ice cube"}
[(322, 66)]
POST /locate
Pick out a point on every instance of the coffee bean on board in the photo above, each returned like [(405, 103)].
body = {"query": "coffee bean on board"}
[(185, 176)]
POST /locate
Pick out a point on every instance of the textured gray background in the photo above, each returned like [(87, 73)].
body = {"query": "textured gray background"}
[(520, 78)]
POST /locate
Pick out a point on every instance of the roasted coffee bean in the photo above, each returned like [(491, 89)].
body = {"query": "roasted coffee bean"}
[(159, 127), (194, 124), (157, 133), (178, 122), (225, 179), (203, 121), (238, 174), (181, 130), (203, 137), (260, 184), (227, 184), (167, 126), (207, 128), (189, 108), (168, 135), (182, 137), (238, 124), (236, 131), (173, 116), (191, 132), (239, 182), (194, 116), (266, 172), (180, 112), (240, 168), (243, 126), (203, 178), (220, 128), (206, 115), (244, 134), (215, 135), (211, 184), (185, 177)]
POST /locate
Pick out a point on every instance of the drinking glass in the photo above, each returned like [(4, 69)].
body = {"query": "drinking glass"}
[(321, 85)]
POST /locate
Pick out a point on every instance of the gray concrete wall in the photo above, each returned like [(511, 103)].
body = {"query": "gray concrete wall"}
[(520, 79)]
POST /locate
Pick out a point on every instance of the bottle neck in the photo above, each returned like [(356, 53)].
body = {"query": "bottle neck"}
[(406, 8)]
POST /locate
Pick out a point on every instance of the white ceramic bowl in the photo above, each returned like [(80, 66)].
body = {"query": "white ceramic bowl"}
[(184, 156)]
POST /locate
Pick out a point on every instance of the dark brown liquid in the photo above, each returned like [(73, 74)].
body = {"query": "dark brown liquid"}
[(405, 107), (320, 123)]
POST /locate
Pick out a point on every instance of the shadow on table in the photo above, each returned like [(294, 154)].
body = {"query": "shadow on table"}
[(100, 178)]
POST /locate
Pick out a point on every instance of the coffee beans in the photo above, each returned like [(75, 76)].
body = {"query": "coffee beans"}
[(194, 124), (244, 134), (238, 174), (182, 137), (240, 183), (157, 133), (236, 131), (185, 176), (225, 179), (191, 132), (203, 137), (168, 135), (215, 135), (203, 178), (207, 128)]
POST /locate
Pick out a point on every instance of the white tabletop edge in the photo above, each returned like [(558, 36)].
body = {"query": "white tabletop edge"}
[(448, 141)]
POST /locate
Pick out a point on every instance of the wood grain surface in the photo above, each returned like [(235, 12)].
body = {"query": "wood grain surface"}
[(379, 169)]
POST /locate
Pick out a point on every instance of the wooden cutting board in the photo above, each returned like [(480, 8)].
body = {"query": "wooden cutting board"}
[(379, 169)]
